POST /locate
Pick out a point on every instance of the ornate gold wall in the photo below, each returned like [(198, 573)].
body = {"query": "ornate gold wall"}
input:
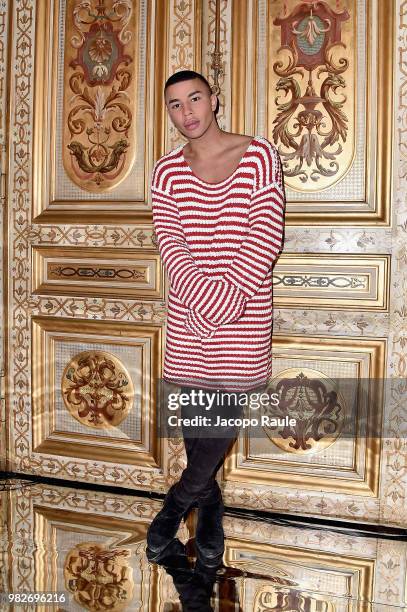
[(86, 290)]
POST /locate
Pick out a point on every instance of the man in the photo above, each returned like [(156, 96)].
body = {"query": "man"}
[(218, 213)]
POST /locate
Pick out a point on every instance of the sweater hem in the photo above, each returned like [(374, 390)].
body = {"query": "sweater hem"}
[(218, 385)]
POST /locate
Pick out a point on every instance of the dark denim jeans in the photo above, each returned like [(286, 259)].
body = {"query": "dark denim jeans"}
[(205, 451)]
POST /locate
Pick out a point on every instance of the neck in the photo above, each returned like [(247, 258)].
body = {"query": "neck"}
[(205, 145)]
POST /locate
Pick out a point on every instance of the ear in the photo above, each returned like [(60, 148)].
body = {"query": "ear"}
[(214, 101)]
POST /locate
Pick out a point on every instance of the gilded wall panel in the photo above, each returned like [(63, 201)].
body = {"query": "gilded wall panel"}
[(336, 282), (322, 74), (97, 272), (171, 39), (94, 390), (334, 390), (94, 94)]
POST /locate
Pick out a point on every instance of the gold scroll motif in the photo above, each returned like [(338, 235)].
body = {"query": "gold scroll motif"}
[(97, 389), (313, 74), (99, 92), (313, 400), (77, 271), (100, 578)]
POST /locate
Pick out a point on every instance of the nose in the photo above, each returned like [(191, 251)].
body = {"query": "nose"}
[(187, 109)]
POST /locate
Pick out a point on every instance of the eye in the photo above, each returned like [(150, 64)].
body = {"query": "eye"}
[(196, 98), (175, 105)]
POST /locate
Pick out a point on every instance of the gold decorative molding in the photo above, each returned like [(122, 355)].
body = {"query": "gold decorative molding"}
[(255, 460), (315, 402), (110, 272), (50, 340), (48, 206), (337, 282)]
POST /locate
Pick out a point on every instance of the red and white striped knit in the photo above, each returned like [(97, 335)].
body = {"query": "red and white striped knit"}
[(218, 242)]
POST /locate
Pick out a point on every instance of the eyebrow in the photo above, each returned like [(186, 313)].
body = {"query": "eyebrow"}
[(189, 95)]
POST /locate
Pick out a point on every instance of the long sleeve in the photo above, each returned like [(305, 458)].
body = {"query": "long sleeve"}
[(263, 243), (210, 302)]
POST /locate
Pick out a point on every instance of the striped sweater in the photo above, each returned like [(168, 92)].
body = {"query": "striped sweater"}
[(218, 242)]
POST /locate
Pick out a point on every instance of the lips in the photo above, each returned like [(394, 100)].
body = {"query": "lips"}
[(191, 125)]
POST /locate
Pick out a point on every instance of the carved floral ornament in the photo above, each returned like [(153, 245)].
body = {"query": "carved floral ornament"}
[(314, 113), (97, 389)]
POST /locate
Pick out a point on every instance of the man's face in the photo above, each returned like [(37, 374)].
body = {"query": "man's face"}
[(190, 107)]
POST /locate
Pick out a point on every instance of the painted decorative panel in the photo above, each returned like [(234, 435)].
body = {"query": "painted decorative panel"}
[(323, 72), (110, 272), (338, 282), (94, 92), (100, 89), (314, 128)]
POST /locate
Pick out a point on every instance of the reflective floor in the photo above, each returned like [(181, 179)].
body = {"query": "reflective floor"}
[(87, 549)]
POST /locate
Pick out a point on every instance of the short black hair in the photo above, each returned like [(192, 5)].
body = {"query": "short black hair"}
[(186, 75)]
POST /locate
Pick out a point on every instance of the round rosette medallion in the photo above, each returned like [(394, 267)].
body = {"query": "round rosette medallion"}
[(97, 389)]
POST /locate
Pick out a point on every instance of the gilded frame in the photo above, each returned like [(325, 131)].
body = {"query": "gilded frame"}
[(146, 452), (376, 207), (362, 281), (45, 209), (134, 539), (147, 261), (366, 465)]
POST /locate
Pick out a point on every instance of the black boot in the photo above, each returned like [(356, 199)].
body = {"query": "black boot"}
[(162, 531), (210, 537)]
